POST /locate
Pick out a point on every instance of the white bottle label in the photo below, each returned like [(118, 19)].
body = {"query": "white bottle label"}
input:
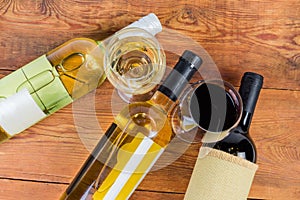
[(241, 154), (18, 112), (135, 160)]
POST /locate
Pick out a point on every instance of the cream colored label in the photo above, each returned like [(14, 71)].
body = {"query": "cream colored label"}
[(18, 112), (220, 176)]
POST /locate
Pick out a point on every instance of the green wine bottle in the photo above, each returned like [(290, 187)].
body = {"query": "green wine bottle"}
[(55, 80)]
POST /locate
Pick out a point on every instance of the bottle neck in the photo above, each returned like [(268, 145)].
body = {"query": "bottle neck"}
[(169, 91), (245, 122), (163, 101), (177, 80), (251, 85)]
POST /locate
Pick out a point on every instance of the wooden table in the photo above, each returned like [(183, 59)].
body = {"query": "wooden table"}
[(260, 36)]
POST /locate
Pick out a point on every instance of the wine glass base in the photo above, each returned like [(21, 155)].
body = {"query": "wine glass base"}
[(189, 134), (129, 98), (125, 96)]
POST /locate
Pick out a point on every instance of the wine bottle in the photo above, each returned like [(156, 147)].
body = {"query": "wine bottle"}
[(239, 142), (134, 141), (55, 79)]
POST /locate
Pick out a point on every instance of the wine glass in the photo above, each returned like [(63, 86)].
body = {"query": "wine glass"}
[(207, 111), (134, 62)]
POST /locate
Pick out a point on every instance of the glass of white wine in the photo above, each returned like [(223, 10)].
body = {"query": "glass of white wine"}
[(134, 62)]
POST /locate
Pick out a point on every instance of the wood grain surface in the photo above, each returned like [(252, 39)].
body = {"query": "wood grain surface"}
[(260, 36)]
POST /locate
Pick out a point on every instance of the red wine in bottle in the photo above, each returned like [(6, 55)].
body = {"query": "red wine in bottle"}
[(239, 142)]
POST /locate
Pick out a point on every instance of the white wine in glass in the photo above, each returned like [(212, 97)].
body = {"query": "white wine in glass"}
[(134, 62)]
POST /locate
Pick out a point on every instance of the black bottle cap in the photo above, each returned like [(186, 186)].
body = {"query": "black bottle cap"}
[(185, 68), (257, 79), (192, 58)]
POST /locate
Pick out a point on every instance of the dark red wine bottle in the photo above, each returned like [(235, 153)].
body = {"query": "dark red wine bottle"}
[(239, 142)]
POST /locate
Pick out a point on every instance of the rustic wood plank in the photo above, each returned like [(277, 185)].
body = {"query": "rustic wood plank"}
[(257, 35), (48, 155), (28, 190), (261, 36)]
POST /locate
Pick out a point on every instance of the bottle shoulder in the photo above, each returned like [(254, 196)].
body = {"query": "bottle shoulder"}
[(146, 118), (83, 45), (238, 145), (83, 48), (234, 137)]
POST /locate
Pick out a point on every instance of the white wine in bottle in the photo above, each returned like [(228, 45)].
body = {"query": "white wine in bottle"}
[(55, 80), (134, 141)]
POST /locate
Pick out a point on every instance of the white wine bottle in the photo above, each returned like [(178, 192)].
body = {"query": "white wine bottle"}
[(55, 80), (133, 142)]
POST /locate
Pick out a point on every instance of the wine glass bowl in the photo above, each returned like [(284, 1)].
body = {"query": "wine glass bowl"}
[(207, 111), (134, 62)]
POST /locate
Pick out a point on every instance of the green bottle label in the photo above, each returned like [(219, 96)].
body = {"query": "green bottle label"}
[(41, 80)]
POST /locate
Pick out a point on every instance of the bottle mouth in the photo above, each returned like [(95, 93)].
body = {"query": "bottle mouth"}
[(192, 58), (256, 79)]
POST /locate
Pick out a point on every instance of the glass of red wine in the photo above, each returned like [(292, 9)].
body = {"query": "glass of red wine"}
[(207, 111)]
